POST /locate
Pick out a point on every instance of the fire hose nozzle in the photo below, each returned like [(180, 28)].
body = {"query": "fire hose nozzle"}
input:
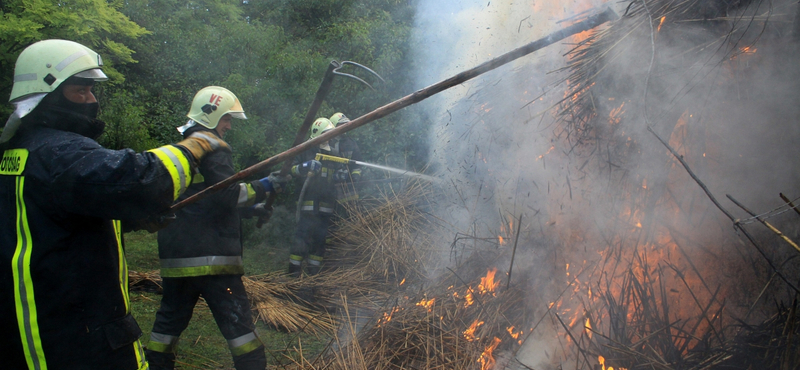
[(331, 158)]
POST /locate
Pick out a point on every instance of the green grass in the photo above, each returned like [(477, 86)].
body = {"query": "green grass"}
[(202, 346)]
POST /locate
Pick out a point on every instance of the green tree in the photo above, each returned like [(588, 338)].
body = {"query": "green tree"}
[(272, 54), (97, 24)]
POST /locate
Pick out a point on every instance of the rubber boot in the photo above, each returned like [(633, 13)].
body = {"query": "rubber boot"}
[(160, 360), (313, 265), (253, 360), (295, 271), (312, 270)]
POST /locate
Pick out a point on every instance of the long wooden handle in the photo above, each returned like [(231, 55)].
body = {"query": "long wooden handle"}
[(419, 95)]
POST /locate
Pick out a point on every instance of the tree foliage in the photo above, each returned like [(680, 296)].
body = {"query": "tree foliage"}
[(271, 53), (97, 24)]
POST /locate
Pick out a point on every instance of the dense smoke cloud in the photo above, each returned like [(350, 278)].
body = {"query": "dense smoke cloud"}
[(722, 91)]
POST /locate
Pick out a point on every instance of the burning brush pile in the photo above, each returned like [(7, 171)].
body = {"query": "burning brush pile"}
[(654, 280), (426, 316), (673, 288)]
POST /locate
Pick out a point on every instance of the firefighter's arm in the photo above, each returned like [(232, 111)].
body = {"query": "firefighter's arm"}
[(313, 166), (251, 194), (182, 159), (117, 184)]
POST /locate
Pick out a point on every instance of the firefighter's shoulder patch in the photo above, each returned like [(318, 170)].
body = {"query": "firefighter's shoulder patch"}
[(13, 162)]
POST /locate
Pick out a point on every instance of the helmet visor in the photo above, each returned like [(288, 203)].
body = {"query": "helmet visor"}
[(239, 115), (94, 74)]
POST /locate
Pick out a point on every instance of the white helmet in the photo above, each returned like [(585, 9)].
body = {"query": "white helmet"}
[(41, 68), (213, 102), (320, 126), (338, 118)]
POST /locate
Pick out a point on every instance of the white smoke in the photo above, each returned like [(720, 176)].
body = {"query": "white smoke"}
[(496, 142)]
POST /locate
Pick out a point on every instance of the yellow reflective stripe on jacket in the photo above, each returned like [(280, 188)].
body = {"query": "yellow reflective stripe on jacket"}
[(177, 165), (123, 265), (202, 266), (24, 298), (123, 285), (140, 359), (247, 195)]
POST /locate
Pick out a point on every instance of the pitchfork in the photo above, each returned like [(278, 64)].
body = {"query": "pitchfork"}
[(322, 92)]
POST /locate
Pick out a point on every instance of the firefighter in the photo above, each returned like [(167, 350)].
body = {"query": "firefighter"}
[(347, 148), (201, 251), (317, 200), (64, 300)]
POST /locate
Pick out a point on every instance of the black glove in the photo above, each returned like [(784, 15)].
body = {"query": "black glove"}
[(153, 223), (257, 210)]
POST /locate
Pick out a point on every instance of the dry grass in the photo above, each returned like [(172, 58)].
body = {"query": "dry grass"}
[(387, 238), (392, 311)]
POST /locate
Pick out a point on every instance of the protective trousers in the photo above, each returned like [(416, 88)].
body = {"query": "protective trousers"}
[(310, 239), (227, 299)]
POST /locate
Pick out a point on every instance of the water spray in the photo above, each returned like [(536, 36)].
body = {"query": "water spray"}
[(325, 157)]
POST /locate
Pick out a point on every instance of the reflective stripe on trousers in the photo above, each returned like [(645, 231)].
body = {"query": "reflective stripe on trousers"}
[(201, 266), (245, 344), (163, 343)]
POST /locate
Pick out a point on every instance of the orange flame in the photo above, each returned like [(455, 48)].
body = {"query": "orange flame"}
[(501, 239), (486, 359), (469, 334), (428, 304), (616, 114), (516, 335), (469, 299), (748, 50), (387, 316), (661, 23), (546, 153), (602, 361), (588, 327), (487, 283)]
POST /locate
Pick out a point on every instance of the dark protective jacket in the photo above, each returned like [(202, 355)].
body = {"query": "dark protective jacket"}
[(205, 237), (321, 194), (63, 277)]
